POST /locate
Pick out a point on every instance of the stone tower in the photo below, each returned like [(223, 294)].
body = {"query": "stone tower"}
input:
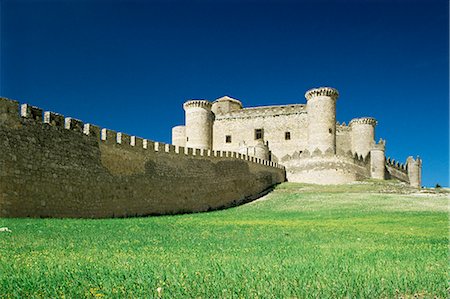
[(260, 150), (199, 119), (378, 160), (321, 109), (362, 135), (179, 135), (414, 171)]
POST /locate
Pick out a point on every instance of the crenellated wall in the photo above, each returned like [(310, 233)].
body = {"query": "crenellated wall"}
[(325, 167), (396, 170), (54, 166)]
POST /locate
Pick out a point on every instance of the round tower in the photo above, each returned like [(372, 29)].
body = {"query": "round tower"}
[(362, 135), (261, 150), (321, 109), (378, 160), (199, 120), (179, 136)]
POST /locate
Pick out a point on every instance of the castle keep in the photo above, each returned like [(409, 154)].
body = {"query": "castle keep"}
[(305, 138), (56, 166)]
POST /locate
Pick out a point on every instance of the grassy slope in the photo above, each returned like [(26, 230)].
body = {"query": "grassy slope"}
[(299, 241)]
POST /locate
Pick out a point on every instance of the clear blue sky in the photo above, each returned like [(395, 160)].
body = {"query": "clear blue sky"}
[(129, 65)]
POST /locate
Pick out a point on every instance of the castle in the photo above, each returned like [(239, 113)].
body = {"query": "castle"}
[(56, 166), (306, 139)]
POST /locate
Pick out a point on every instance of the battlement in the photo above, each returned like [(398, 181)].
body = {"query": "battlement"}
[(322, 92), (397, 165), (54, 119), (381, 145), (417, 160), (325, 167), (197, 104), (117, 139), (363, 120), (342, 127), (317, 153)]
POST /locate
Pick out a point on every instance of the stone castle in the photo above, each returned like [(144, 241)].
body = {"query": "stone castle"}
[(56, 166), (306, 139)]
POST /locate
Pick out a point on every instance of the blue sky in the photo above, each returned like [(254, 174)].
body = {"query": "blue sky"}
[(129, 65)]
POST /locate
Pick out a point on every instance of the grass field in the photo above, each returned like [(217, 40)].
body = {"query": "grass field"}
[(300, 241)]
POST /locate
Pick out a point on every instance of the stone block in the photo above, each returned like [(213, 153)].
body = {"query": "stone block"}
[(31, 112), (73, 124), (54, 119)]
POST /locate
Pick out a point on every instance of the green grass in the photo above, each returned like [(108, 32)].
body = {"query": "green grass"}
[(300, 241)]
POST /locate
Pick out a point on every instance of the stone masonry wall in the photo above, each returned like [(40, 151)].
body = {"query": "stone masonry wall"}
[(343, 138), (275, 122), (63, 168), (396, 170), (326, 168)]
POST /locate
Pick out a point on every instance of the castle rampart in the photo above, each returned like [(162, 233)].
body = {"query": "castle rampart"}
[(55, 168), (325, 167)]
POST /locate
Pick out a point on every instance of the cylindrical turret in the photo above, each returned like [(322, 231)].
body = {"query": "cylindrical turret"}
[(414, 171), (362, 135), (378, 160), (199, 120), (261, 150), (321, 109), (179, 136)]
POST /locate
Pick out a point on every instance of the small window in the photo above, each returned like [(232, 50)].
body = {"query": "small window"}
[(287, 135), (228, 139), (259, 134), (330, 130), (187, 138)]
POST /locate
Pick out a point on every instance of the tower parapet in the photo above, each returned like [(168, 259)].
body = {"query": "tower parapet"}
[(199, 119), (378, 160), (364, 120), (321, 109), (362, 134), (197, 104), (322, 92)]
